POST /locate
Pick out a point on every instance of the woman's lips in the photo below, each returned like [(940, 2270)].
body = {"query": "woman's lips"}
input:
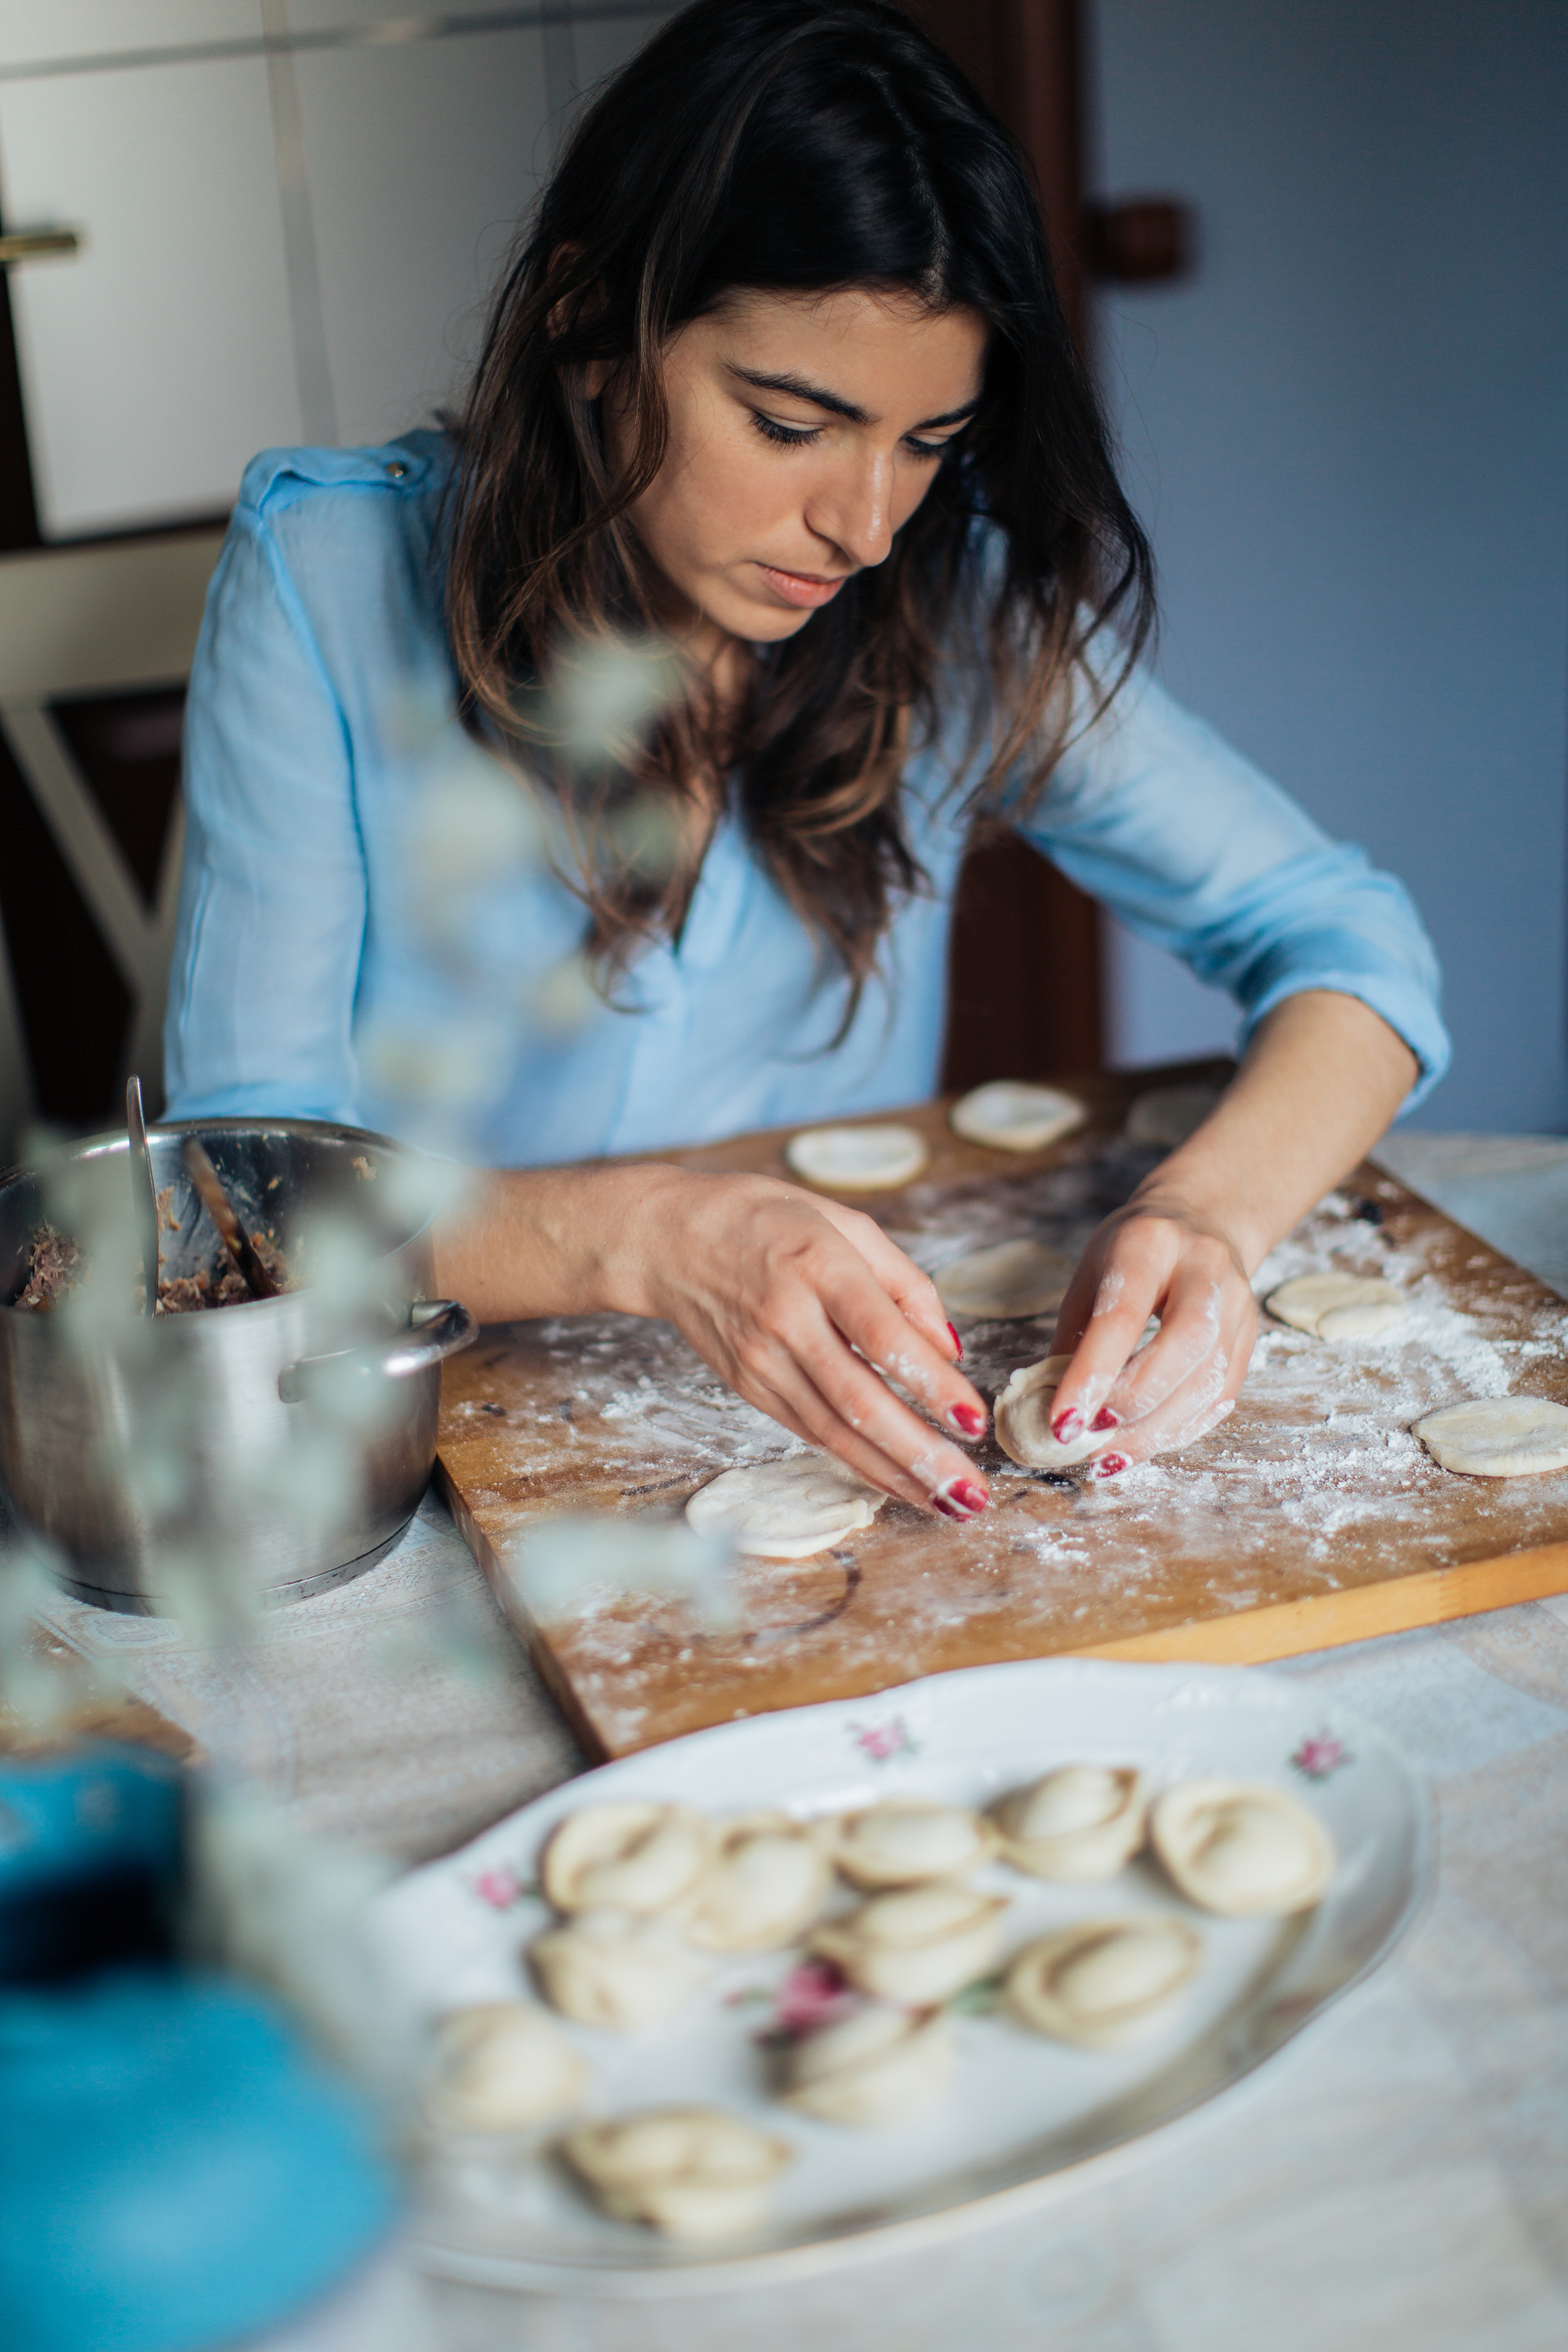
[(800, 587)]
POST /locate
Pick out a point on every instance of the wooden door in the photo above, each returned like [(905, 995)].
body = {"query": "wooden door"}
[(1024, 986)]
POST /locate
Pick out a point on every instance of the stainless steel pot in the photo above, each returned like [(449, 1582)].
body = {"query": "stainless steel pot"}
[(274, 1448)]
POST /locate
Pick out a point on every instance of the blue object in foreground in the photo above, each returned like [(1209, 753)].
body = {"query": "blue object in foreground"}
[(175, 2171)]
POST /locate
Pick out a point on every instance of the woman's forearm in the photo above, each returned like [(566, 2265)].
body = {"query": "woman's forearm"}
[(541, 1241), (1320, 1081)]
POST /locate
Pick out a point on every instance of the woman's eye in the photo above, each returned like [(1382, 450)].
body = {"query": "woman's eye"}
[(787, 437), (929, 448)]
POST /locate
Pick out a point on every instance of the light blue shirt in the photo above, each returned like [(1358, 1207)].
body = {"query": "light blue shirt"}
[(373, 927)]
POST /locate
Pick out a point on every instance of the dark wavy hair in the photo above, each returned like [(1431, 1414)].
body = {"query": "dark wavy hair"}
[(795, 145)]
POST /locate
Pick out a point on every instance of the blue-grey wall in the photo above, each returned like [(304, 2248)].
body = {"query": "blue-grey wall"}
[(1348, 434)]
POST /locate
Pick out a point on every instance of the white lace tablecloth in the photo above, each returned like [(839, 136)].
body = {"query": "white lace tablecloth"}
[(1400, 2179)]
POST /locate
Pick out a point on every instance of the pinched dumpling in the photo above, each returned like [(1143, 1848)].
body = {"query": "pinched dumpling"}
[(615, 1967), (502, 2066), (634, 1856), (692, 2172), (1021, 1418), (1103, 1981), (916, 1945), (905, 1841), (871, 2067), (1083, 1821), (1242, 1847), (763, 1887)]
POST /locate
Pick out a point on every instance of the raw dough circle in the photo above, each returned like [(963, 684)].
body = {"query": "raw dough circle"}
[(1021, 1419), (1166, 1115), (1008, 1280), (1498, 1437), (1008, 1115), (856, 1158), (1339, 1305), (787, 1509)]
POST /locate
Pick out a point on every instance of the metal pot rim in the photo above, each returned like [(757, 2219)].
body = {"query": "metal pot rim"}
[(115, 1140)]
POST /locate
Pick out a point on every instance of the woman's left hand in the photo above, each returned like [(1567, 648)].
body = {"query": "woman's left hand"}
[(1321, 1079), (1159, 1255)]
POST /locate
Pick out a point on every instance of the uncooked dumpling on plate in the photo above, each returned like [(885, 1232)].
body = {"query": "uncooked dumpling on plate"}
[(907, 1841), (1242, 1848), (1166, 1115), (871, 2067), (1021, 1417), (1103, 1982), (1011, 1114), (856, 1158), (787, 1509), (1080, 1821), (916, 1945), (1006, 1281), (692, 2172), (1498, 1437), (1339, 1305), (617, 1969), (634, 1856), (765, 1885), (500, 2066)]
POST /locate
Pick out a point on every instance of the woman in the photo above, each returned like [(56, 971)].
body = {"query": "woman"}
[(780, 379)]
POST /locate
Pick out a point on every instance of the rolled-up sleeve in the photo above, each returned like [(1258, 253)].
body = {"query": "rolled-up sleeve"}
[(1195, 849), (273, 904)]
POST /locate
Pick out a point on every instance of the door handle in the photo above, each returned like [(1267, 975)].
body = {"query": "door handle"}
[(36, 245)]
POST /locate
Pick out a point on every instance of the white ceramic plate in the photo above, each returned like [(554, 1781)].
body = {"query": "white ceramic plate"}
[(1021, 2111)]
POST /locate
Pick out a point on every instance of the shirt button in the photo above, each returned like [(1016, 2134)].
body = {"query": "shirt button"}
[(396, 470)]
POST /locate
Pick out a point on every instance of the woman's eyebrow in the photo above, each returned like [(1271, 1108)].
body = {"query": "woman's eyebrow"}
[(800, 388)]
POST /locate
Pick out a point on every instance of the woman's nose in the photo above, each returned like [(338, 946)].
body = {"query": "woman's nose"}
[(853, 508)]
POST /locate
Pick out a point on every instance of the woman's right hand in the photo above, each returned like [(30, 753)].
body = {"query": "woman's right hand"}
[(799, 1304)]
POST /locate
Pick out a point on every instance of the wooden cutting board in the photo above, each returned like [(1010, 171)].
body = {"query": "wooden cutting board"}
[(1310, 1517)]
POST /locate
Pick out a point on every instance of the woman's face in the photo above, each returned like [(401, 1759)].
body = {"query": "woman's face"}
[(804, 430)]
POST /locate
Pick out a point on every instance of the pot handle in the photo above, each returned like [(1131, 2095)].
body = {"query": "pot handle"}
[(436, 1328)]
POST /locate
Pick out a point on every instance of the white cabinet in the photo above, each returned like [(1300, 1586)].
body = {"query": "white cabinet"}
[(159, 358), (291, 214)]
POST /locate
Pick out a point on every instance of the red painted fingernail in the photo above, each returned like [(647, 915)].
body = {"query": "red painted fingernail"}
[(960, 1499), (1110, 1466), (957, 1342), (1067, 1425), (1106, 1419), (969, 1418)]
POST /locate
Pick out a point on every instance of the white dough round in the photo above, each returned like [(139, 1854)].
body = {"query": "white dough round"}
[(502, 2066), (871, 2067), (1010, 1115), (1498, 1437), (613, 1967), (787, 1509), (1008, 1280), (632, 1856), (1166, 1115), (1081, 1821), (1103, 1981), (907, 1842), (692, 2172), (856, 1158), (1242, 1848), (765, 1886), (1021, 1417), (1339, 1305), (918, 1944)]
